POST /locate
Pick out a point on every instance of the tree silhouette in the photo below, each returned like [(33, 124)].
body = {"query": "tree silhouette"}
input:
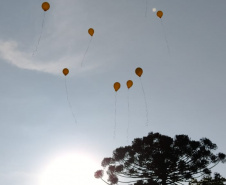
[(208, 180), (160, 160)]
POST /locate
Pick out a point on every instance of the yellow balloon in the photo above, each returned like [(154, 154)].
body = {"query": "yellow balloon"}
[(129, 83), (139, 71), (91, 31), (45, 6), (65, 71), (159, 14), (117, 86)]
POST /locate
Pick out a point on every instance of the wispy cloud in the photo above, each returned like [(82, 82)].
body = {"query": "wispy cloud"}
[(10, 53)]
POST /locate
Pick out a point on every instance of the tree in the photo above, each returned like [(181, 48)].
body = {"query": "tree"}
[(160, 160), (208, 180)]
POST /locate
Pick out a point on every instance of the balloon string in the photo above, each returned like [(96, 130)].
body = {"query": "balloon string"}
[(115, 115), (43, 22), (145, 102), (146, 8), (86, 50), (164, 33), (69, 101), (128, 119)]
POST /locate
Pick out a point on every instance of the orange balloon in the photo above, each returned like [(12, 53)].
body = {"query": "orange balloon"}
[(117, 86), (65, 71), (159, 14), (129, 83), (91, 31), (45, 6), (139, 71)]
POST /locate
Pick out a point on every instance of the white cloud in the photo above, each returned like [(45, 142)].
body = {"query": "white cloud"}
[(10, 53)]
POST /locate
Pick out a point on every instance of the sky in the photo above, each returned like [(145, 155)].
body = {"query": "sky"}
[(56, 129)]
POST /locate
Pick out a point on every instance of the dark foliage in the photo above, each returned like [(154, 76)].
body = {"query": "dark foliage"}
[(208, 180), (160, 160)]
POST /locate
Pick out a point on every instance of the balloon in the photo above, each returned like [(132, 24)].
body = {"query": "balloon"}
[(129, 83), (91, 31), (65, 71), (117, 86), (45, 6), (139, 71), (159, 14)]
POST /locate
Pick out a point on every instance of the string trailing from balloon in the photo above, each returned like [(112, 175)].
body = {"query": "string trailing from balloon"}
[(114, 134), (166, 40), (127, 131), (116, 86), (139, 72), (145, 101), (45, 7), (91, 32), (160, 14), (36, 48), (86, 51), (65, 72), (129, 85)]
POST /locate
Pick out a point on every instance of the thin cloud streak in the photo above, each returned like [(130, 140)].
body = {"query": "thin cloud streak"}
[(10, 53)]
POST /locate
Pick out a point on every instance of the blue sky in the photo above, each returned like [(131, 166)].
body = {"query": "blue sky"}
[(184, 85)]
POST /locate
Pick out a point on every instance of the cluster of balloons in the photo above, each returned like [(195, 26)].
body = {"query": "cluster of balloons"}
[(129, 84), (117, 85), (139, 71)]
